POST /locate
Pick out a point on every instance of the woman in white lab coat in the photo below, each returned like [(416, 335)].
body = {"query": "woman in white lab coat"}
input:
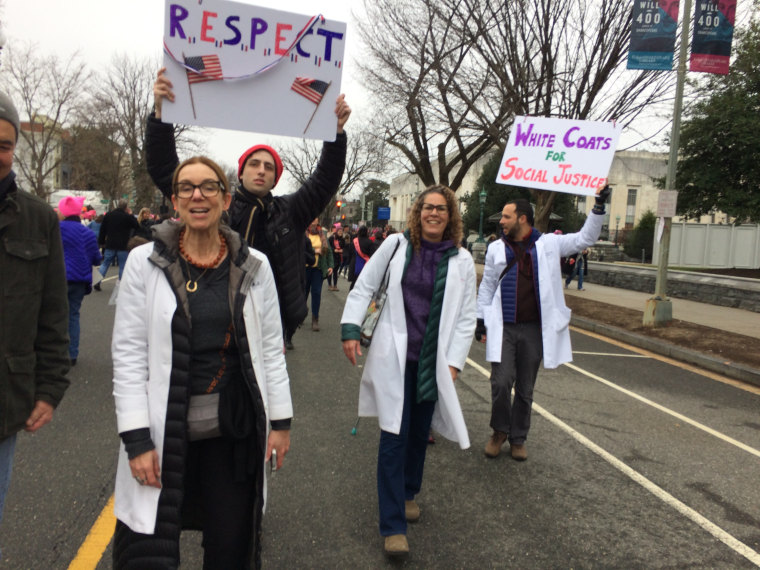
[(419, 346)]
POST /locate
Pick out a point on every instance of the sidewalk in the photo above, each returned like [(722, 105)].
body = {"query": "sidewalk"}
[(737, 321), (723, 318)]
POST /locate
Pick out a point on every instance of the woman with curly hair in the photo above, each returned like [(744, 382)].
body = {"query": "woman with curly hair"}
[(419, 346)]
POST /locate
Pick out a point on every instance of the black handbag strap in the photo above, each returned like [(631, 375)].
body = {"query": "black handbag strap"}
[(507, 268), (387, 267)]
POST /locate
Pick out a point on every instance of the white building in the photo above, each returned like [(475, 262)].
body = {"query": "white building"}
[(405, 188), (632, 179)]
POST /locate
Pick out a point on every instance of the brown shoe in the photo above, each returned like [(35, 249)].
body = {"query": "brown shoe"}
[(396, 545), (314, 324), (493, 447), (518, 451), (412, 511)]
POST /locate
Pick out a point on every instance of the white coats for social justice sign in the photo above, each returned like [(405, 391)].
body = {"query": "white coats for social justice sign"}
[(565, 155), (242, 67)]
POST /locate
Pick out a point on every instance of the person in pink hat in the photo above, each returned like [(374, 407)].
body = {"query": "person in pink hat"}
[(81, 253)]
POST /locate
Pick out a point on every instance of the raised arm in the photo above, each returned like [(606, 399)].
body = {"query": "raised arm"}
[(160, 148), (317, 191)]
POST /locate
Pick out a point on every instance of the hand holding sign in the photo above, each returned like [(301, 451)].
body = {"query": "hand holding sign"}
[(342, 111), (162, 89)]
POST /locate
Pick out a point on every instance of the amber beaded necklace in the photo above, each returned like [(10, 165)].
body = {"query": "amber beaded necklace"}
[(192, 284)]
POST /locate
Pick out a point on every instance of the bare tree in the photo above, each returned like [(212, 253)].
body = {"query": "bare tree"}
[(450, 75), (47, 90), (419, 67), (562, 58), (365, 159), (122, 101), (97, 161)]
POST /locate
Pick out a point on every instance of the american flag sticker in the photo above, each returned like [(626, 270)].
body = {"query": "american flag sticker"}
[(206, 68), (312, 89)]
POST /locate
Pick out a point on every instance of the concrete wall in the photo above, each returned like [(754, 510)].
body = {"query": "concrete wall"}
[(733, 292)]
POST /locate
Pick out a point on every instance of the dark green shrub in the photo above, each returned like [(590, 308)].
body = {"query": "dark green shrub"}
[(641, 237)]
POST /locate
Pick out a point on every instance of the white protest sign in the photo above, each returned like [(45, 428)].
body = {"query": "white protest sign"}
[(565, 155), (242, 67)]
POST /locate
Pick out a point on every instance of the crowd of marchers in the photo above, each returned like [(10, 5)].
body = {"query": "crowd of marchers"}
[(201, 389)]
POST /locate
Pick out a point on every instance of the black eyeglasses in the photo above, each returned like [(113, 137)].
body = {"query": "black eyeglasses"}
[(440, 208), (208, 188)]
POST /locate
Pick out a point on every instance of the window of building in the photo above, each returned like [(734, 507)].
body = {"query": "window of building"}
[(630, 208)]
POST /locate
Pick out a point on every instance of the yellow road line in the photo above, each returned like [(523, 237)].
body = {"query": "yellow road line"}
[(682, 365), (97, 540)]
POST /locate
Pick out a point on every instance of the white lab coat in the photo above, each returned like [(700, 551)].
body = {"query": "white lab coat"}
[(382, 386), (142, 362), (555, 315)]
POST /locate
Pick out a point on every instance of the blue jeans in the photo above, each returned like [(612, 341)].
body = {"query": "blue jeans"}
[(577, 268), (7, 446), (108, 257), (314, 284), (332, 280), (77, 291), (401, 458)]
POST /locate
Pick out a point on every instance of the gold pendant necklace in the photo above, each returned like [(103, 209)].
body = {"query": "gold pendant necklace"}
[(192, 284)]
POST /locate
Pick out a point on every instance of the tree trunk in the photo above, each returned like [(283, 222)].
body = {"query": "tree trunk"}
[(544, 204)]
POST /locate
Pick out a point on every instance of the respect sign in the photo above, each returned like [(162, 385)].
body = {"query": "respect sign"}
[(242, 67), (564, 155)]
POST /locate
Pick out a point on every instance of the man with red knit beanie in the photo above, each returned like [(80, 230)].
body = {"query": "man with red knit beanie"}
[(274, 225)]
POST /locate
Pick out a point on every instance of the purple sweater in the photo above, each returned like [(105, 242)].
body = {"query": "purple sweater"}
[(417, 288)]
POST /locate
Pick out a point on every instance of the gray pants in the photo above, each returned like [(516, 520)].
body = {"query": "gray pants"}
[(521, 354)]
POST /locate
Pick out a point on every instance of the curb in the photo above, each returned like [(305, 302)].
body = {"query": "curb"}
[(658, 346)]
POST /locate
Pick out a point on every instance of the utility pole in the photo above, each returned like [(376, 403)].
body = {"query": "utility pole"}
[(659, 309)]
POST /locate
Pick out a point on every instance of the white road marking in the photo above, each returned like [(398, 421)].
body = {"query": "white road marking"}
[(726, 538), (610, 354), (668, 411)]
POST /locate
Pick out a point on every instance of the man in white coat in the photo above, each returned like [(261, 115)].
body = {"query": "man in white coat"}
[(521, 307)]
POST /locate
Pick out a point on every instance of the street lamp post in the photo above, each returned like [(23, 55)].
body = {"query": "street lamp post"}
[(482, 199), (658, 310), (479, 247)]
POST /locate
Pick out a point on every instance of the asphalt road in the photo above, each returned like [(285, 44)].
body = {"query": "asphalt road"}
[(633, 463)]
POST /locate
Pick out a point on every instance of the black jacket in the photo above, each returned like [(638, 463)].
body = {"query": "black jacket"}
[(117, 227), (34, 309), (286, 217), (178, 510)]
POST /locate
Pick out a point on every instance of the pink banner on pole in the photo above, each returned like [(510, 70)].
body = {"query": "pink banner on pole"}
[(712, 36)]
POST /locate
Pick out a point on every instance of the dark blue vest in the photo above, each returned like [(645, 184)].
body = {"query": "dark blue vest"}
[(508, 283)]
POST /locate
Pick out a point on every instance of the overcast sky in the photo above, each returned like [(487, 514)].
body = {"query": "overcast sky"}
[(99, 29)]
